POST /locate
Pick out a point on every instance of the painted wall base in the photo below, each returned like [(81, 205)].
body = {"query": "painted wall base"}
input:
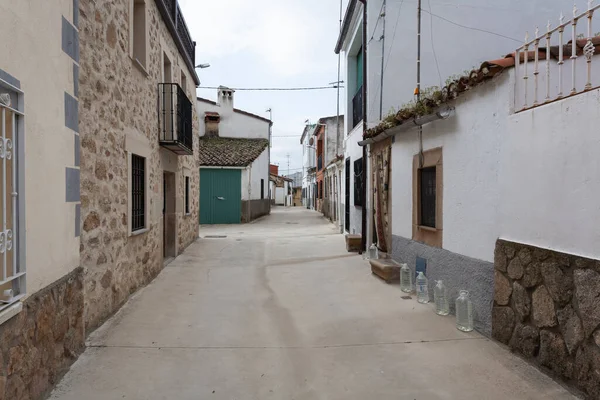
[(253, 209), (38, 345), (458, 272)]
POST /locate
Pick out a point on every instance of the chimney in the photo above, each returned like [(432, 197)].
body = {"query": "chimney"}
[(211, 124), (274, 169), (226, 100)]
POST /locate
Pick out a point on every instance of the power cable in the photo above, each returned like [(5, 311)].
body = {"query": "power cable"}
[(470, 27), (388, 59), (275, 89), (376, 24)]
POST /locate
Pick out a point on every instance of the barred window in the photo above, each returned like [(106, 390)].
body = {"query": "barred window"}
[(138, 192), (427, 196), (187, 194)]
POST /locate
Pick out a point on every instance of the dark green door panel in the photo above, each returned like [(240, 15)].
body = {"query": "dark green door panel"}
[(220, 196)]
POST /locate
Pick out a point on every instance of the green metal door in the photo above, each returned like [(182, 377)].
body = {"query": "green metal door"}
[(220, 196)]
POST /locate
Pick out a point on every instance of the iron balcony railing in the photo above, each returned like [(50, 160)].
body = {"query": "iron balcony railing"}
[(357, 108), (320, 163), (175, 22), (175, 119)]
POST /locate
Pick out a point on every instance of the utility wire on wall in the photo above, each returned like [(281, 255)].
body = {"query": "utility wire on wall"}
[(276, 89)]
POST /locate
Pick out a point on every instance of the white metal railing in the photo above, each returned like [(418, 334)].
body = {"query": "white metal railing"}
[(551, 80), (11, 287)]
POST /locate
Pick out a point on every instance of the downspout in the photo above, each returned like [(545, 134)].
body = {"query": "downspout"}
[(338, 140), (382, 62), (363, 242), (418, 89)]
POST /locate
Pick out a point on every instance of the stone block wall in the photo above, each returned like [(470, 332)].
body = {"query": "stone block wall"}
[(253, 209), (547, 309), (117, 100), (43, 340)]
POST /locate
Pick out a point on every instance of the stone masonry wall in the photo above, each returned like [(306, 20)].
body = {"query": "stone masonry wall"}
[(547, 308), (43, 340), (116, 98)]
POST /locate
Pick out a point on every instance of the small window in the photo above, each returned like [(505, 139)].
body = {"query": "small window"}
[(427, 201), (359, 180), (139, 32), (262, 189), (187, 195), (138, 193)]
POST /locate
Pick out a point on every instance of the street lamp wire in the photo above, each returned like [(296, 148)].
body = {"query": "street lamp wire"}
[(290, 89)]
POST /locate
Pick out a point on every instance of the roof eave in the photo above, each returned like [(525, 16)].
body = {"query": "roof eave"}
[(345, 25)]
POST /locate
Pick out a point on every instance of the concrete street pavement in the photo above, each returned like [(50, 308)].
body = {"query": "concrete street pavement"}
[(278, 309)]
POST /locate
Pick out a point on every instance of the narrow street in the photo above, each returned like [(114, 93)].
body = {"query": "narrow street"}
[(277, 309)]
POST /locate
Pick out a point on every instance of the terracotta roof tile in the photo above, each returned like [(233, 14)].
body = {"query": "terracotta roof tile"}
[(486, 71), (230, 152)]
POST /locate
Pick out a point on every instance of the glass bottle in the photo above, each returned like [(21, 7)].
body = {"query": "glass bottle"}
[(422, 289), (440, 297), (405, 279), (373, 253), (464, 312)]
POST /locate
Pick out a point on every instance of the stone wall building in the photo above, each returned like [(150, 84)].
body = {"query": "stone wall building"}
[(95, 195), (139, 178), (41, 320)]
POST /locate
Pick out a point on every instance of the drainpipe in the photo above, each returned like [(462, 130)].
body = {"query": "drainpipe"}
[(363, 243)]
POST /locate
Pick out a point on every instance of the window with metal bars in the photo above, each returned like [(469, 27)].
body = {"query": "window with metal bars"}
[(187, 195), (138, 192), (427, 200), (359, 181)]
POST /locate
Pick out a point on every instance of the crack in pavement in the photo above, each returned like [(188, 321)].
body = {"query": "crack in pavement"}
[(308, 347)]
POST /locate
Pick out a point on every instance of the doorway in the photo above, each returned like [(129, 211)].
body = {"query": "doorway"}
[(169, 216)]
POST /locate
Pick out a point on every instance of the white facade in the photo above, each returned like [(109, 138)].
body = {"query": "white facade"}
[(234, 123), (527, 177), (255, 178), (470, 142), (549, 176), (456, 48), (308, 165)]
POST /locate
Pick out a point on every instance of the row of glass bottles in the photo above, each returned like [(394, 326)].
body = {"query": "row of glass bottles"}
[(464, 307)]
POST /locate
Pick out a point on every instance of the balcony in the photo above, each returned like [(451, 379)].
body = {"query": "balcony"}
[(173, 17), (320, 163), (357, 108), (175, 119)]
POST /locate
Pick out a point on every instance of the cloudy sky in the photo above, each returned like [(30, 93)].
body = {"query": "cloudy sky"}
[(270, 43)]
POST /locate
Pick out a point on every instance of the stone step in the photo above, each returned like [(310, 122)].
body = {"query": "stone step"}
[(386, 269), (353, 243)]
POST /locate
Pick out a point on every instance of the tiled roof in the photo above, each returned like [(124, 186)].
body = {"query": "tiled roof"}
[(230, 152), (486, 71)]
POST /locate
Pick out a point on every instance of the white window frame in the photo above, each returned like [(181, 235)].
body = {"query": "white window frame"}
[(13, 237)]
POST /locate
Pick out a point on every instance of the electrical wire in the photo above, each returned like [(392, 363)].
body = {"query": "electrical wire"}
[(376, 24), (471, 28), (275, 89), (432, 44), (388, 59)]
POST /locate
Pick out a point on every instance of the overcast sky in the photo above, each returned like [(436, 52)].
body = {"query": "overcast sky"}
[(270, 43)]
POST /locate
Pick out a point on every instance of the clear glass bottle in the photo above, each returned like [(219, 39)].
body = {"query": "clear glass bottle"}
[(373, 253), (464, 312), (440, 297), (405, 279), (422, 289)]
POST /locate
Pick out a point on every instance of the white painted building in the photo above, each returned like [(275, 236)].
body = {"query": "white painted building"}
[(309, 181), (447, 49), (232, 139)]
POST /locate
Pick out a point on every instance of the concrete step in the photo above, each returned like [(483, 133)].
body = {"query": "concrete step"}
[(353, 243), (386, 269)]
